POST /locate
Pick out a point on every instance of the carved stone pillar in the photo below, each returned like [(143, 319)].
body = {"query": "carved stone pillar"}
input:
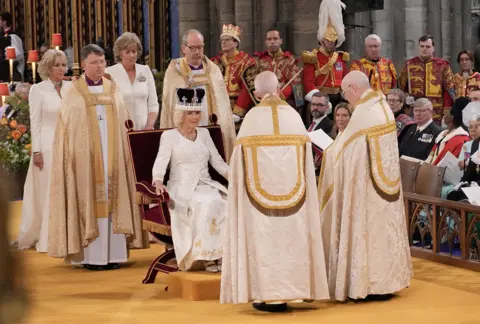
[(244, 18), (305, 25), (415, 25)]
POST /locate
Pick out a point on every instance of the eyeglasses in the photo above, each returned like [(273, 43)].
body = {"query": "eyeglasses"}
[(318, 104), (196, 48), (393, 100), (342, 93), (421, 110)]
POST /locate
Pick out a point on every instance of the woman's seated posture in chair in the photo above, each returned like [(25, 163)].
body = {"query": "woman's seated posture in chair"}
[(199, 204)]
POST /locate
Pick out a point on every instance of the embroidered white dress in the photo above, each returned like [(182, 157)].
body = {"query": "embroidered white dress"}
[(200, 204), (44, 103)]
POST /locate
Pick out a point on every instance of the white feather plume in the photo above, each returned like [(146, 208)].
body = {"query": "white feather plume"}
[(331, 9)]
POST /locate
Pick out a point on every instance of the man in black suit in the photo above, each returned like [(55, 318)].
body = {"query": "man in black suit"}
[(319, 108), (418, 139)]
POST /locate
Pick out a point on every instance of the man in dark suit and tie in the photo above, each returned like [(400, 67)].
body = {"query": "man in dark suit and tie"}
[(319, 107), (418, 139)]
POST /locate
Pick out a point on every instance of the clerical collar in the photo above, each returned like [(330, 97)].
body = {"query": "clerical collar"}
[(6, 31), (375, 60), (92, 83), (193, 68), (466, 74), (276, 54)]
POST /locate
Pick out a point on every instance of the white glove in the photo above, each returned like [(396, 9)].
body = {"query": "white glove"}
[(236, 118)]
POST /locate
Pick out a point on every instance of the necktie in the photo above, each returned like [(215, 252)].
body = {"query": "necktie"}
[(312, 126)]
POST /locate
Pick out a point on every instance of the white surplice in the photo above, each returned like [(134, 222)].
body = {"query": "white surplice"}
[(108, 247), (139, 97), (273, 247), (44, 102), (200, 209)]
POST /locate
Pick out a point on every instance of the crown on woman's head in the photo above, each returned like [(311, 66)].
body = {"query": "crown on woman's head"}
[(190, 99)]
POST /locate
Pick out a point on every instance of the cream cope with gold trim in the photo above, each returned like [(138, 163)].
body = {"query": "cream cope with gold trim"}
[(363, 218), (77, 194), (273, 249), (180, 75)]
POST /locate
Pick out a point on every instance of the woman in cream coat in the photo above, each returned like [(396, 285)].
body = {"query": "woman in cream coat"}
[(44, 102), (135, 81)]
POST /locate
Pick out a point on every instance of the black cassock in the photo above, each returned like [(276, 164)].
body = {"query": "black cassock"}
[(418, 144)]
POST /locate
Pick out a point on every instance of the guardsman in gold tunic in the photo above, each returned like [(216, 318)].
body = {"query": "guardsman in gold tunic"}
[(466, 80), (239, 70), (285, 67), (380, 70), (324, 68), (429, 77)]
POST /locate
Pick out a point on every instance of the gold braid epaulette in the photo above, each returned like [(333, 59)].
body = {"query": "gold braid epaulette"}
[(345, 56), (310, 57)]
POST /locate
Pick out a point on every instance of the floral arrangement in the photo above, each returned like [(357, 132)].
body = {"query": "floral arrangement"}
[(15, 138)]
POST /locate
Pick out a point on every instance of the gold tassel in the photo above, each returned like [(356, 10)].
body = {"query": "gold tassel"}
[(157, 228)]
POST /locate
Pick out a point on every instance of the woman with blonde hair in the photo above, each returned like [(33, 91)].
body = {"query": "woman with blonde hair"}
[(200, 205), (44, 102), (341, 116), (135, 81)]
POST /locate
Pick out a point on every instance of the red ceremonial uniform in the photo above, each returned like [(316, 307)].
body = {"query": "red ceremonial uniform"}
[(324, 71), (463, 85), (239, 73), (432, 79), (382, 74), (285, 67)]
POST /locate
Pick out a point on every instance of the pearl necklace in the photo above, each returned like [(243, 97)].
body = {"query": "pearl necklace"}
[(191, 137)]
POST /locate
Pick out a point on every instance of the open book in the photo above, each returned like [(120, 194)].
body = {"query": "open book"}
[(473, 195), (320, 139), (453, 174)]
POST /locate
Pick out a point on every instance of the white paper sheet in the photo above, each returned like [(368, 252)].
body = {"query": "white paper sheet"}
[(473, 195), (409, 158), (320, 139), (453, 174)]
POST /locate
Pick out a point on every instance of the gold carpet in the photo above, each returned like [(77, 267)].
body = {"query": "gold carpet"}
[(61, 294)]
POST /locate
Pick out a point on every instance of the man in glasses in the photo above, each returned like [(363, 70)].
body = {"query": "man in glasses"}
[(239, 71), (418, 139), (195, 70)]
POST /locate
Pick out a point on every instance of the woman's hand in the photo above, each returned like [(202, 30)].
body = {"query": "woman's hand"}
[(38, 160), (160, 188), (461, 164)]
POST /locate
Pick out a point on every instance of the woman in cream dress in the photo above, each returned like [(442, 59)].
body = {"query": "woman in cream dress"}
[(200, 205), (44, 102), (135, 81)]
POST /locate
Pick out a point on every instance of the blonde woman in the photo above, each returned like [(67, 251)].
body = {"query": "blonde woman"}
[(341, 116), (200, 202), (135, 81), (44, 102)]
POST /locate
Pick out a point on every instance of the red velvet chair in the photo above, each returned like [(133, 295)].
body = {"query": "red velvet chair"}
[(143, 146)]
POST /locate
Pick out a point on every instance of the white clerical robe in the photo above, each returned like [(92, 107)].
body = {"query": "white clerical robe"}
[(272, 247), (108, 247), (361, 204)]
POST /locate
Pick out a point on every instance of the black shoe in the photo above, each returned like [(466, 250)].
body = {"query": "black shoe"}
[(371, 298), (94, 267), (113, 266), (272, 308)]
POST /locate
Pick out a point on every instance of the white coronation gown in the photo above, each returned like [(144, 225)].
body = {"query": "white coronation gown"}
[(200, 208), (108, 247), (44, 104)]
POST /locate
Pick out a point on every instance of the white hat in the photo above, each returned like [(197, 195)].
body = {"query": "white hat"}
[(330, 21), (471, 112)]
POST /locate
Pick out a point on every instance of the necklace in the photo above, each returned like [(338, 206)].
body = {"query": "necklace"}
[(190, 137), (57, 84)]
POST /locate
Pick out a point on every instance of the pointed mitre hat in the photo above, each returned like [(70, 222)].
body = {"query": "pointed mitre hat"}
[(231, 31), (330, 21)]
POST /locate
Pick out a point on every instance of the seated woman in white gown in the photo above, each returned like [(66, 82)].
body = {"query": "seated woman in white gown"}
[(200, 205), (44, 102)]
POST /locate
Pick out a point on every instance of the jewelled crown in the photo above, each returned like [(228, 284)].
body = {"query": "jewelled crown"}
[(231, 31), (190, 99)]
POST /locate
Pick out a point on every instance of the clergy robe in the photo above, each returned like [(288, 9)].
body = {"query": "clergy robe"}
[(418, 144), (180, 75), (272, 247), (361, 204), (93, 215)]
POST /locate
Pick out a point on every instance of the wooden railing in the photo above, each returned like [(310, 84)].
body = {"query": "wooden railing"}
[(443, 231)]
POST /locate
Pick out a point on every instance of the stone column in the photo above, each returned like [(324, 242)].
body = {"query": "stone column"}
[(456, 30), (363, 28), (284, 22), (268, 13), (304, 25), (398, 34), (446, 31), (467, 24), (382, 24), (244, 19), (415, 25), (221, 12), (434, 24), (194, 14)]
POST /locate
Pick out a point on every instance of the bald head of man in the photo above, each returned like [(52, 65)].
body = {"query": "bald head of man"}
[(266, 83), (354, 85)]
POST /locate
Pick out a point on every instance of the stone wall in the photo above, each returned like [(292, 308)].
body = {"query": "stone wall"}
[(399, 24)]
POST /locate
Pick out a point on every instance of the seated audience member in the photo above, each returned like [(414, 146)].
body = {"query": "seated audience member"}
[(319, 106), (418, 139), (200, 206), (451, 139), (471, 146), (341, 116), (474, 95), (396, 101)]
